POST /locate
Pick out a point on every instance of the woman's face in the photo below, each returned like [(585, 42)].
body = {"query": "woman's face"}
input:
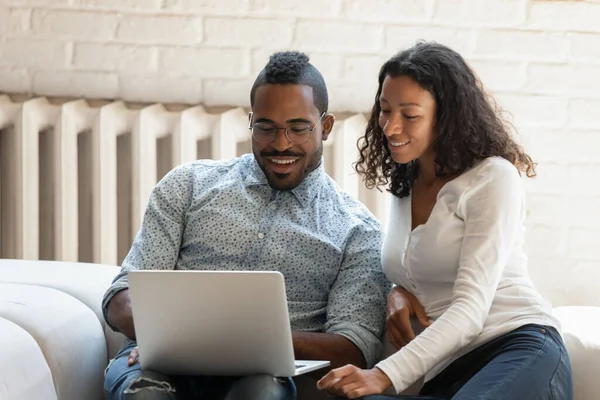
[(407, 118)]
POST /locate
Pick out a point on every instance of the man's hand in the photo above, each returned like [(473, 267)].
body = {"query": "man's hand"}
[(352, 382), (119, 313), (401, 305), (133, 356)]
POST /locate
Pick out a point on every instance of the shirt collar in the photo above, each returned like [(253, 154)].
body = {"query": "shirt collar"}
[(305, 192)]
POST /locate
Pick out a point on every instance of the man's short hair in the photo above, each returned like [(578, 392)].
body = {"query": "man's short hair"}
[(293, 67)]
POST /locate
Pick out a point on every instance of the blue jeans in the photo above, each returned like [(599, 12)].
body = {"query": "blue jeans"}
[(529, 363), (124, 382)]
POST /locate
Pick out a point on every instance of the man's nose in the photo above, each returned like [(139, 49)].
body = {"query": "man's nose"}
[(281, 142)]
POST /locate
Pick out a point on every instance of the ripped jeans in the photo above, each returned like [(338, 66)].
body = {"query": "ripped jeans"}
[(124, 382)]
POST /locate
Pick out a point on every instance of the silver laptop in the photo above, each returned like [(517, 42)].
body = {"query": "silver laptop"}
[(211, 323)]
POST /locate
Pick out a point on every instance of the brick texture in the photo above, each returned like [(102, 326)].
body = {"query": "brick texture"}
[(483, 13), (205, 62), (205, 7), (540, 60), (573, 80), (248, 32), (153, 88), (114, 57), (160, 29), (564, 15), (221, 91), (74, 25), (538, 111), (94, 85), (119, 4), (42, 54), (14, 21), (501, 76), (16, 80), (294, 8), (388, 10), (519, 45), (338, 36), (399, 37)]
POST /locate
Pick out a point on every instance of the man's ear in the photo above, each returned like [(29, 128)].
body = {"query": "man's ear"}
[(328, 121)]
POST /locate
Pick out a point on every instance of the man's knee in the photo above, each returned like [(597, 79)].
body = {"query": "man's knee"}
[(124, 382), (262, 387), (151, 386)]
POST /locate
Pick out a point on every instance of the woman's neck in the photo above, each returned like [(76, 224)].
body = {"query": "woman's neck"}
[(427, 174)]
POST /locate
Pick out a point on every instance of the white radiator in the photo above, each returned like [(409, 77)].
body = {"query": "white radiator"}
[(75, 177)]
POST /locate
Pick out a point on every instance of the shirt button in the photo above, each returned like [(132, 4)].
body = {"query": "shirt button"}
[(261, 235), (273, 206)]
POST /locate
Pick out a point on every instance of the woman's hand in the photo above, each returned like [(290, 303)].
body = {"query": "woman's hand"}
[(401, 305), (352, 382)]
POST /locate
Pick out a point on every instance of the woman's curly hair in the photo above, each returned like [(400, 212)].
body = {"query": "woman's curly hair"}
[(468, 123)]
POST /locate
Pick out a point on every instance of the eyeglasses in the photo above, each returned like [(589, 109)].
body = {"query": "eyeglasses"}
[(296, 133)]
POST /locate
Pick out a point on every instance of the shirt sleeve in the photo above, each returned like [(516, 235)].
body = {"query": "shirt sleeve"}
[(357, 300), (157, 243), (493, 211)]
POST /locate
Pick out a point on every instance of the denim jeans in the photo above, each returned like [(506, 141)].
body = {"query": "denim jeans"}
[(529, 363), (124, 382)]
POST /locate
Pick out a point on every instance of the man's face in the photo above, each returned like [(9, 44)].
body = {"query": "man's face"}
[(286, 164)]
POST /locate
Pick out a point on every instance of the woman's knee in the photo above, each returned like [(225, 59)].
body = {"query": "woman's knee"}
[(262, 387)]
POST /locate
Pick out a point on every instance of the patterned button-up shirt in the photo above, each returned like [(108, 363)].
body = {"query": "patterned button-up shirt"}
[(223, 215)]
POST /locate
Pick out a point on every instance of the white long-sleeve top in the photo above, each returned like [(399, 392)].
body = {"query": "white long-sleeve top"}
[(466, 265)]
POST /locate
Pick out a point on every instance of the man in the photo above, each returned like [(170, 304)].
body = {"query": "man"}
[(273, 210)]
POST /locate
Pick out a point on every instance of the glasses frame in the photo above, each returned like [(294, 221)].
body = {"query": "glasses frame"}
[(285, 129)]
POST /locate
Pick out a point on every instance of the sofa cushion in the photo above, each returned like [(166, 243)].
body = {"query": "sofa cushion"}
[(25, 373), (68, 333), (85, 282), (580, 330)]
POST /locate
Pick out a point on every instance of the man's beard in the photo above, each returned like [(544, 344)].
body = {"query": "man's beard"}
[(276, 181)]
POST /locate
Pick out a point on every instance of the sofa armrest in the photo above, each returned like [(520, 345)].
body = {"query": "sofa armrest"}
[(580, 328)]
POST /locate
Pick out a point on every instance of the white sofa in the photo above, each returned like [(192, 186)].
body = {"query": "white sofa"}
[(54, 343)]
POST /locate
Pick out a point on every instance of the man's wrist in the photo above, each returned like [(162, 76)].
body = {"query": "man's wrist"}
[(119, 314)]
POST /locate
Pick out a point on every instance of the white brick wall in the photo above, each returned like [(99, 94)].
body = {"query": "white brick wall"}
[(167, 29), (540, 58)]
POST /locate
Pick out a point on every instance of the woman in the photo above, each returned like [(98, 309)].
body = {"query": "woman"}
[(455, 243)]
